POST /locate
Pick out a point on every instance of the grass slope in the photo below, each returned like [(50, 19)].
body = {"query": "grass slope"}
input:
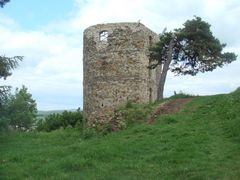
[(200, 142)]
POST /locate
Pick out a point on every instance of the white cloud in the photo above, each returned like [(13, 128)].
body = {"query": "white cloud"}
[(52, 66)]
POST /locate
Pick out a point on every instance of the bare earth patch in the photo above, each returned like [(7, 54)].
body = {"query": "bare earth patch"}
[(169, 107)]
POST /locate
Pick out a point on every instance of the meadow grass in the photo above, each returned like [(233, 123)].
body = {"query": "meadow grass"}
[(202, 141)]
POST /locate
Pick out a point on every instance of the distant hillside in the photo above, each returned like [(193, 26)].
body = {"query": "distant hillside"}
[(200, 139), (43, 114)]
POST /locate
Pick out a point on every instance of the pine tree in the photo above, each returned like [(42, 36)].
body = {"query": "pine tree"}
[(188, 51)]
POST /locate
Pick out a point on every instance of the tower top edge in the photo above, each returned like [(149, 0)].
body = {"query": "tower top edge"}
[(117, 25)]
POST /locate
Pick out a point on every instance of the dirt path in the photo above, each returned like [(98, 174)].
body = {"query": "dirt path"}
[(169, 107)]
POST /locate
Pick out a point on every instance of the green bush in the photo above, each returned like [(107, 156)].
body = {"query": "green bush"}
[(181, 94), (4, 122), (89, 132), (56, 121), (135, 113)]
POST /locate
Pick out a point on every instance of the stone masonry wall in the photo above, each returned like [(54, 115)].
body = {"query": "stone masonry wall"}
[(115, 68)]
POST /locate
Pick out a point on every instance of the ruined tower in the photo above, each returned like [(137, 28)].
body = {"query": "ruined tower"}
[(115, 65)]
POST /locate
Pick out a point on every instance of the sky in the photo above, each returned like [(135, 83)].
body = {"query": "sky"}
[(49, 34)]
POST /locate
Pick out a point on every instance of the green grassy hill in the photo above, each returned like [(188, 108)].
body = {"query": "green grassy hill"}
[(202, 141)]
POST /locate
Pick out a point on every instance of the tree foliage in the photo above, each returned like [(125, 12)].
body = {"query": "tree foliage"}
[(4, 120), (6, 65), (56, 121), (188, 51), (3, 2), (19, 110)]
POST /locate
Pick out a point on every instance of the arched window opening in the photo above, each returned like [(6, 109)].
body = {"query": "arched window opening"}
[(103, 36)]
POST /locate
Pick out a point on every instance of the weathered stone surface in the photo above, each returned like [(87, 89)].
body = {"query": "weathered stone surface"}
[(115, 68)]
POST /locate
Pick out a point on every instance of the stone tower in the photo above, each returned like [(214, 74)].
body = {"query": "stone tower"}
[(115, 65)]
